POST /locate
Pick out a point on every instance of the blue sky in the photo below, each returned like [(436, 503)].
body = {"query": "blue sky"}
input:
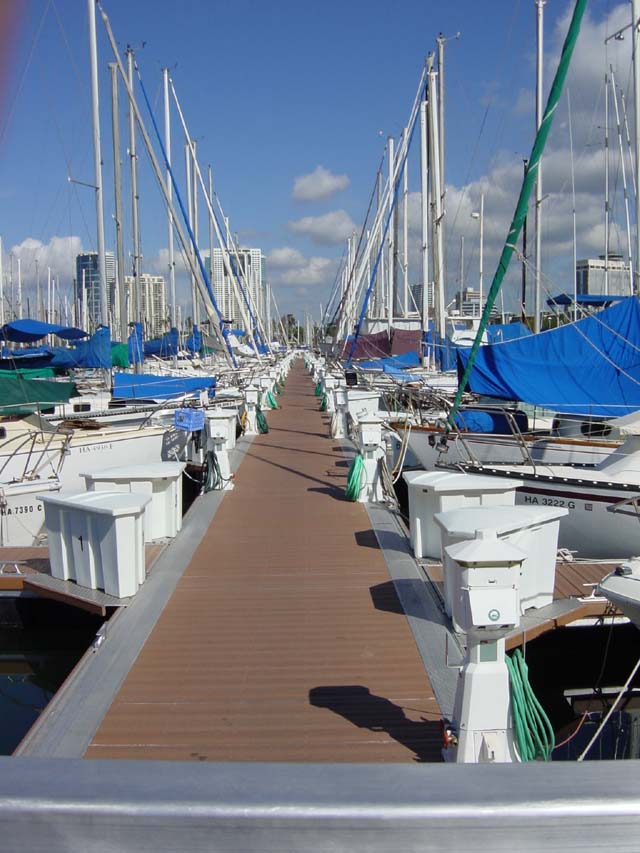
[(271, 92)]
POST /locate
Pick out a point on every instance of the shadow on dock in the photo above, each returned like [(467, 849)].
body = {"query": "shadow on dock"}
[(378, 714)]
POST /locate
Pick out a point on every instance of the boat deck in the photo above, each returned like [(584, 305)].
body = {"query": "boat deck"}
[(284, 639)]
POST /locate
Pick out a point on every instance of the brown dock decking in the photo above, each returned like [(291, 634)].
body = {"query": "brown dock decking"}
[(284, 640)]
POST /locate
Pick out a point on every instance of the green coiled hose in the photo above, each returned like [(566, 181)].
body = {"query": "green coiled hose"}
[(261, 421), (355, 478), (534, 733)]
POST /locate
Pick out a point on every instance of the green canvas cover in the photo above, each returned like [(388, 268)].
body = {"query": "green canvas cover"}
[(22, 396)]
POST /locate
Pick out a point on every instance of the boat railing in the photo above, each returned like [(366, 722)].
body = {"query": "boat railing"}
[(633, 502)]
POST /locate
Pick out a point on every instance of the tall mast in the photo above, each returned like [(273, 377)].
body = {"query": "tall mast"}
[(19, 288), (117, 181), (436, 200), (424, 198), (38, 294), (167, 145), (440, 42), (606, 184), (194, 202), (1, 286), (97, 162), (134, 197), (391, 244), (624, 180), (540, 4), (405, 235), (189, 183), (211, 229), (635, 11)]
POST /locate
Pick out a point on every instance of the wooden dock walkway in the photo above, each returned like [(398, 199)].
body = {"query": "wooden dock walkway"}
[(284, 640)]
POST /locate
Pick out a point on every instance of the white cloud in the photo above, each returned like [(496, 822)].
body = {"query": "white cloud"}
[(289, 268), (316, 271), (286, 257), (318, 185), (329, 229), (59, 254)]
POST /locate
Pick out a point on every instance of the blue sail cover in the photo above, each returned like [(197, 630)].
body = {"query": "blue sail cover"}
[(136, 354), (147, 386), (165, 346), (194, 341), (588, 367), (498, 332), (96, 352), (27, 331)]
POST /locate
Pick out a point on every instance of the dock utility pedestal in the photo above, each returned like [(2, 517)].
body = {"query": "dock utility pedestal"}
[(97, 539), (161, 481), (486, 581), (431, 492), (533, 529)]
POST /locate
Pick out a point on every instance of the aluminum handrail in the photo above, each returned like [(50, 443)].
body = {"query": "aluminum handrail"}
[(72, 804)]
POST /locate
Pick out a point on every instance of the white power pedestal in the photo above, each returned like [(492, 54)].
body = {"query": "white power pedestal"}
[(489, 609), (330, 383), (218, 441), (340, 419), (372, 449), (250, 406)]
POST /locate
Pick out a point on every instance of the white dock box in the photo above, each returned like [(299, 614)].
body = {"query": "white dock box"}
[(97, 539), (432, 492), (533, 529), (229, 417), (161, 481), (363, 402)]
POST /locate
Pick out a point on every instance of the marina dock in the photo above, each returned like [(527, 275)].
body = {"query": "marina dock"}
[(284, 639)]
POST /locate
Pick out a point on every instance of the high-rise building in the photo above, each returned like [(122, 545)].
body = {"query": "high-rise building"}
[(251, 272), (153, 303), (87, 288), (593, 276)]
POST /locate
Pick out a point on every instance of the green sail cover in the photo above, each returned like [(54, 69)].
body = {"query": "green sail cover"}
[(525, 192), (120, 355), (20, 396), (31, 372)]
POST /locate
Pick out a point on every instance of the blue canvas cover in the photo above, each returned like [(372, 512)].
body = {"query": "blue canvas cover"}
[(139, 386), (498, 332), (194, 341), (588, 367), (136, 353), (164, 346), (96, 352), (27, 331), (392, 362)]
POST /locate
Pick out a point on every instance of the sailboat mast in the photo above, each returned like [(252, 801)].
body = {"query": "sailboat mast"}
[(635, 12), (405, 235), (1, 285), (606, 184), (134, 197), (391, 243), (117, 182), (437, 217), (540, 4), (97, 162), (424, 200), (167, 146)]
